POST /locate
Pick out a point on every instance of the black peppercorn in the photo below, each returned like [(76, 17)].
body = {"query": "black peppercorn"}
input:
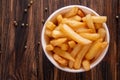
[(15, 23), (31, 2), (43, 21), (46, 9), (117, 17), (25, 47), (26, 24), (25, 10), (22, 24), (38, 43), (29, 5)]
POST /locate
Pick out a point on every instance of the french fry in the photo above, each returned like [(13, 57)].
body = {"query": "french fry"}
[(73, 35), (104, 45), (102, 33), (98, 25), (84, 19), (63, 54), (74, 24), (86, 65), (80, 56), (50, 25), (60, 60), (59, 41), (93, 50), (90, 22), (47, 39), (74, 52), (80, 13), (58, 27), (99, 40), (69, 50), (99, 19), (96, 19), (57, 34), (71, 44), (49, 47), (90, 36), (64, 46), (59, 18), (48, 32), (72, 12), (84, 30), (76, 17)]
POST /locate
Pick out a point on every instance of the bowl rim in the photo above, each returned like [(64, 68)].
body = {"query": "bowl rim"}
[(96, 62)]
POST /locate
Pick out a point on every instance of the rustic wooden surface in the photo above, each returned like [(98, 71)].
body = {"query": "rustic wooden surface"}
[(18, 62)]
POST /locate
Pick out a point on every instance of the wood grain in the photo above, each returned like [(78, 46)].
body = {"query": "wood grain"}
[(18, 62)]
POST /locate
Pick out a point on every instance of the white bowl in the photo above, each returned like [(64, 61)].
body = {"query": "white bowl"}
[(52, 18)]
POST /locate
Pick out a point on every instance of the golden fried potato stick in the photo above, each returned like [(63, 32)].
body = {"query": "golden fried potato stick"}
[(90, 22), (60, 60), (59, 18), (93, 50), (81, 13), (63, 54), (104, 45), (73, 35), (102, 33), (90, 36), (64, 46), (98, 25), (86, 65), (49, 47), (74, 52), (48, 32), (58, 41), (80, 56), (84, 30), (71, 43), (72, 12), (97, 19), (57, 34), (74, 24), (76, 17), (50, 25)]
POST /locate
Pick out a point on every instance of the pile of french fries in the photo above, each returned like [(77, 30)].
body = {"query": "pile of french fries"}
[(76, 39)]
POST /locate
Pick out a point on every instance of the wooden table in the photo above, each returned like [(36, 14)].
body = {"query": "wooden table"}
[(21, 54)]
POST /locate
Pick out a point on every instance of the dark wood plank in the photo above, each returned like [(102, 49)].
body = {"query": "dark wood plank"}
[(18, 63), (106, 70), (118, 40), (0, 36)]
